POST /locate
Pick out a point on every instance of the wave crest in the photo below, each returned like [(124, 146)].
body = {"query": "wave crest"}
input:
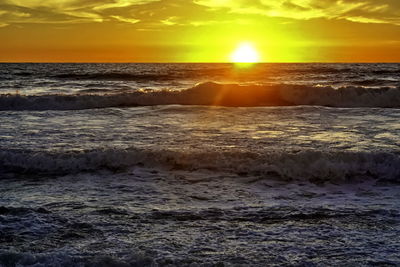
[(211, 93), (306, 165)]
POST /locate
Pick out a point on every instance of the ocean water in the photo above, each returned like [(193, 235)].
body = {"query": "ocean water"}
[(199, 165)]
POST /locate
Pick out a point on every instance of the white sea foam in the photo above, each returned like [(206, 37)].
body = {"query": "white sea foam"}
[(211, 93), (177, 185), (305, 165)]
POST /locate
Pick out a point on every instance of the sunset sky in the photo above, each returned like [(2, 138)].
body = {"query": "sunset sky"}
[(199, 30)]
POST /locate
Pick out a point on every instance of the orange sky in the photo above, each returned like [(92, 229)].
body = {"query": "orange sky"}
[(199, 30)]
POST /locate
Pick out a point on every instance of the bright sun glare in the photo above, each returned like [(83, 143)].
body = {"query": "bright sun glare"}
[(245, 53)]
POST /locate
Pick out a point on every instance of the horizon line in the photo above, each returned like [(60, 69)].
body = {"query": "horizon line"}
[(198, 62)]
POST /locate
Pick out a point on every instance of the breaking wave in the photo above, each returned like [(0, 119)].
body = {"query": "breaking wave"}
[(211, 93), (314, 166)]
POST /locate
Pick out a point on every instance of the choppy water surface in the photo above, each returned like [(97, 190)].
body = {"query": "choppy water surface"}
[(135, 165)]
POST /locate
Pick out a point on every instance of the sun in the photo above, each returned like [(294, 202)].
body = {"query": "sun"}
[(245, 53)]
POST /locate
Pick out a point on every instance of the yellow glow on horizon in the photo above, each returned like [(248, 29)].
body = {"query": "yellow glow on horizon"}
[(245, 53)]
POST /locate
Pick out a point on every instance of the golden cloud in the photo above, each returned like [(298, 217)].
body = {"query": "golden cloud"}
[(365, 11), (194, 12)]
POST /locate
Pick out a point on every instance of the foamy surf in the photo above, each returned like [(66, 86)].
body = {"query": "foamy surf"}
[(148, 165), (317, 166), (214, 94)]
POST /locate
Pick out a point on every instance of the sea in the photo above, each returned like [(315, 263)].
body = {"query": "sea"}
[(199, 164)]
